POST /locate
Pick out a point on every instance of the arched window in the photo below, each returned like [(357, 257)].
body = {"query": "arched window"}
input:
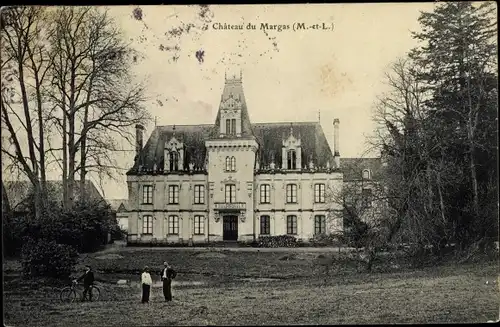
[(174, 161), (367, 174), (228, 163), (233, 164), (291, 159)]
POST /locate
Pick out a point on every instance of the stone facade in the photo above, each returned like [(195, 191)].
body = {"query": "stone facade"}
[(233, 180)]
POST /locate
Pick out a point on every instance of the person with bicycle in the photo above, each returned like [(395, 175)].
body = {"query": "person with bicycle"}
[(88, 282)]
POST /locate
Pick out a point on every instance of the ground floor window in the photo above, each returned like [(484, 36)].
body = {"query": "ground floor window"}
[(199, 225), (265, 225), (291, 225), (173, 225), (319, 224), (147, 224)]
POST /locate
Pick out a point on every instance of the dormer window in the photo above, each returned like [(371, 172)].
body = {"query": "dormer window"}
[(231, 126), (174, 160), (291, 159), (367, 174), (174, 155), (291, 152)]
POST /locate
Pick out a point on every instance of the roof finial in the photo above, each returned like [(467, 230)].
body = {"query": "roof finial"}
[(241, 75), (225, 75), (173, 130), (291, 129), (319, 115), (156, 119)]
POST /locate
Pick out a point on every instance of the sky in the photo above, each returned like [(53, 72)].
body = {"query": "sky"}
[(288, 75)]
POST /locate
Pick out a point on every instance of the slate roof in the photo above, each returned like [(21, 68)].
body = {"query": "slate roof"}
[(269, 136), (18, 191), (233, 88), (119, 205), (314, 145), (353, 168)]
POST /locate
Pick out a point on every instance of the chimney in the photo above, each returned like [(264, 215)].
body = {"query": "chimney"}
[(336, 154), (138, 138)]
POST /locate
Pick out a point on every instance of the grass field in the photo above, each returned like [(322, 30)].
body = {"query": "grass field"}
[(256, 288)]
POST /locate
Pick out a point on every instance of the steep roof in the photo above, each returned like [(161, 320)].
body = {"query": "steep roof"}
[(315, 147), (119, 205), (18, 192), (268, 135), (233, 92), (353, 168)]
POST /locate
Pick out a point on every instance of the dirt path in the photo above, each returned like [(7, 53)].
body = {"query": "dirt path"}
[(121, 246)]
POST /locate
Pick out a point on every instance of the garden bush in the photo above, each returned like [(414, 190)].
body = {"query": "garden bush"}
[(85, 226), (277, 241), (47, 258)]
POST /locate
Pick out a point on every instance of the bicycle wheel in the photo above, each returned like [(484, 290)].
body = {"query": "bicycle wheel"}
[(96, 293), (67, 295)]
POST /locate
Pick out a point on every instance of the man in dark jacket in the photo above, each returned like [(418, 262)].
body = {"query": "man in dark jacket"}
[(167, 274), (88, 281)]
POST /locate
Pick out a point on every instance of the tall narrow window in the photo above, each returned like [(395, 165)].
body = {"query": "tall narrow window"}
[(265, 225), (291, 159), (228, 163), (265, 193), (291, 225), (199, 225), (173, 225), (173, 194), (228, 126), (233, 126), (291, 193), (319, 224), (367, 174), (147, 194), (319, 193), (233, 164), (147, 224), (199, 194), (174, 161), (230, 193)]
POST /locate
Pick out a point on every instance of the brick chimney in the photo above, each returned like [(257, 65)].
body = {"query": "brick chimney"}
[(139, 129), (336, 154)]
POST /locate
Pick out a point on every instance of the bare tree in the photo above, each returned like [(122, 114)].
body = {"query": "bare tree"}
[(97, 98), (26, 61)]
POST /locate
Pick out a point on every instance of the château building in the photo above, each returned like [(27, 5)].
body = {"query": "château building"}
[(233, 180)]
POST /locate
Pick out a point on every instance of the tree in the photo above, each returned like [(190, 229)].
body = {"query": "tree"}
[(67, 72), (97, 98), (26, 61), (367, 221), (458, 58)]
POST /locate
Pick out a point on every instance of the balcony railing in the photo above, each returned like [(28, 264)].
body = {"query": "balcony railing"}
[(230, 206)]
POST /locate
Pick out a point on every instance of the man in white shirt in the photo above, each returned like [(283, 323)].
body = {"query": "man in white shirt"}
[(146, 285)]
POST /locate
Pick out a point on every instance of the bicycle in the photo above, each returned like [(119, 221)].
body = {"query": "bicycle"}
[(69, 293)]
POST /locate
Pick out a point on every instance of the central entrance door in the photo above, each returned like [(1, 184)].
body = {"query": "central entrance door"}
[(230, 228)]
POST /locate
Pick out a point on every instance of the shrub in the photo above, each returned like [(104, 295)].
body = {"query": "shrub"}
[(47, 258), (277, 241), (326, 240)]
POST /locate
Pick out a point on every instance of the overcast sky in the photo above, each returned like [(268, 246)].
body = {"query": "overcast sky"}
[(287, 76)]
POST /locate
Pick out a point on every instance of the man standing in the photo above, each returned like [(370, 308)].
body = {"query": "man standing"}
[(88, 281), (146, 282), (167, 274)]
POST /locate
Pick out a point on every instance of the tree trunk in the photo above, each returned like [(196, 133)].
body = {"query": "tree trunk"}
[(475, 197), (65, 156)]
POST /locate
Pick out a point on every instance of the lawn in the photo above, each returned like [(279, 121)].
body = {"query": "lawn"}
[(256, 288)]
